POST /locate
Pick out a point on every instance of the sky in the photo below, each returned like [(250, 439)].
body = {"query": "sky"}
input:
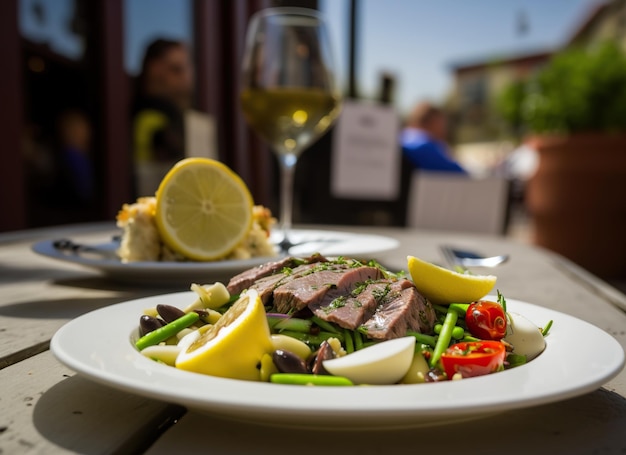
[(417, 41)]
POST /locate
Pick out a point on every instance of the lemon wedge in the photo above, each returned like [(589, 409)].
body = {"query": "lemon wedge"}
[(234, 346), (444, 286), (203, 209)]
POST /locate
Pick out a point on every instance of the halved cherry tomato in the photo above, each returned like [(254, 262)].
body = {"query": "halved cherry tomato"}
[(486, 320), (473, 358)]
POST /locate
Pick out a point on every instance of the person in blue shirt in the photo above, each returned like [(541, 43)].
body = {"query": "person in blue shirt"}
[(423, 140)]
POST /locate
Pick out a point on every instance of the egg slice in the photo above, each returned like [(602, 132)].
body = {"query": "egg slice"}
[(524, 336), (382, 363)]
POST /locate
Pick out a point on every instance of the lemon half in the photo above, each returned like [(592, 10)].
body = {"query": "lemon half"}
[(444, 286), (234, 346), (203, 209)]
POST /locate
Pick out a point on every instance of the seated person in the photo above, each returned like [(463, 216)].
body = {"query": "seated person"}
[(423, 140), (163, 94)]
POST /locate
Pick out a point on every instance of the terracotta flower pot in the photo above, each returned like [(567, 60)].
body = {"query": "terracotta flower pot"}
[(577, 200)]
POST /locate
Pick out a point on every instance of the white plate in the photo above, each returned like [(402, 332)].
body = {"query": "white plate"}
[(329, 243), (98, 345)]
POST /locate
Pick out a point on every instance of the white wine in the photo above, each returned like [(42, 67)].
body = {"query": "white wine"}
[(289, 119)]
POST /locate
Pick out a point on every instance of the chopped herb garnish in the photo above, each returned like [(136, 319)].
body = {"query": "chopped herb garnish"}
[(356, 263), (380, 293), (501, 300), (360, 287), (339, 302)]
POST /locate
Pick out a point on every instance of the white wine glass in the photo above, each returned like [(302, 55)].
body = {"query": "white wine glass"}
[(289, 94)]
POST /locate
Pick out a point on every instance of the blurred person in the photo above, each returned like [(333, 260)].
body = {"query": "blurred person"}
[(522, 163), (39, 160), (74, 184), (423, 140), (163, 94)]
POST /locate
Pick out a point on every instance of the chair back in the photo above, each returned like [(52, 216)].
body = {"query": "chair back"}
[(454, 202)]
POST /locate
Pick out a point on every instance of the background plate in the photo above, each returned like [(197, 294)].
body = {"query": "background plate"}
[(330, 243)]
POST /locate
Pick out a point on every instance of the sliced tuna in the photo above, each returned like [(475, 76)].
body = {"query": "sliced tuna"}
[(354, 309), (245, 279), (328, 284), (402, 309)]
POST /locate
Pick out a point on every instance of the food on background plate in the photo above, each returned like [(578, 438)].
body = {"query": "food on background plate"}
[(320, 321), (202, 211)]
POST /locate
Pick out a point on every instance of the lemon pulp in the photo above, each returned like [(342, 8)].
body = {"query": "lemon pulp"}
[(443, 286), (234, 346), (203, 209)]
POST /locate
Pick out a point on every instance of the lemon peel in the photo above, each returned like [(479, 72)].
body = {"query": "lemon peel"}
[(443, 286), (234, 346)]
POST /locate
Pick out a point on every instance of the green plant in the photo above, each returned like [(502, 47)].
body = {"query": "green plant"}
[(579, 90)]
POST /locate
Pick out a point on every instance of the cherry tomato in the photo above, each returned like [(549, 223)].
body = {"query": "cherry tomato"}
[(473, 358), (486, 320)]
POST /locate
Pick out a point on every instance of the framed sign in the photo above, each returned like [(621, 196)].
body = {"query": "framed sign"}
[(366, 155)]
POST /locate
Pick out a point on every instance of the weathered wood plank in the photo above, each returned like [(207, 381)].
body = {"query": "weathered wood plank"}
[(549, 429), (39, 295), (47, 409)]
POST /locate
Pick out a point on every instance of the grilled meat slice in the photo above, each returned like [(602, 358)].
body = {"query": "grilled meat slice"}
[(325, 284), (266, 286), (354, 309), (402, 309), (245, 279)]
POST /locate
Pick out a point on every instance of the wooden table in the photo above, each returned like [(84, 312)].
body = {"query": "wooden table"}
[(46, 408)]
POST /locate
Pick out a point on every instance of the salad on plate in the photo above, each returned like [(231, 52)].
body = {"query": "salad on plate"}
[(340, 322)]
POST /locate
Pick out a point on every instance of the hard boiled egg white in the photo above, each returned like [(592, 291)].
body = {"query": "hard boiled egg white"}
[(382, 363), (524, 336)]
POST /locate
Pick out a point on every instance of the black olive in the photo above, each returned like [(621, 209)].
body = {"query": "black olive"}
[(169, 313), (325, 352), (288, 362), (435, 375), (148, 324)]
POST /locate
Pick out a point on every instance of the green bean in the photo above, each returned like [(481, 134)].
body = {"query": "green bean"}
[(460, 308), (309, 379), (358, 341), (324, 325), (546, 329), (515, 360), (440, 308), (469, 338), (349, 342), (293, 324), (445, 336), (422, 338), (367, 344), (161, 334), (311, 339)]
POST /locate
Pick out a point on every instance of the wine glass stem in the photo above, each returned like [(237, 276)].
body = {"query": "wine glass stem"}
[(287, 171)]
